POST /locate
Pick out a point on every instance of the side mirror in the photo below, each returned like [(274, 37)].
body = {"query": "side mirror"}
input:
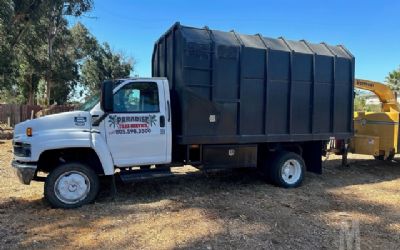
[(107, 97)]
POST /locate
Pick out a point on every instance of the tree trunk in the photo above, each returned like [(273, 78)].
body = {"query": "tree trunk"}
[(49, 83), (31, 93), (55, 19), (49, 86)]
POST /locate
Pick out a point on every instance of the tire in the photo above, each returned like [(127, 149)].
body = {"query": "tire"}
[(286, 169), (71, 185), (382, 157)]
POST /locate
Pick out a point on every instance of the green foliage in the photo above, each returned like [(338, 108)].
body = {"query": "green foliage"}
[(40, 56), (86, 43), (360, 104), (43, 60), (104, 64), (7, 64), (373, 108), (393, 79)]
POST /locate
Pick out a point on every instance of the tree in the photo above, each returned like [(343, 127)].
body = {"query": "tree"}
[(31, 58), (36, 44), (8, 70), (56, 10), (42, 58), (19, 49), (85, 44), (104, 64), (17, 20), (65, 70), (393, 79), (359, 102)]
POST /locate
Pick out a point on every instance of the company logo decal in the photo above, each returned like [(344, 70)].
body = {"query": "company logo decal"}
[(79, 121), (131, 124)]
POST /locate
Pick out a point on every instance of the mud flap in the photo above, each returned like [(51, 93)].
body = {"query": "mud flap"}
[(113, 188), (312, 155), (345, 153)]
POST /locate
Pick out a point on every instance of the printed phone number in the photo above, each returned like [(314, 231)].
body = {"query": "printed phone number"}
[(132, 131)]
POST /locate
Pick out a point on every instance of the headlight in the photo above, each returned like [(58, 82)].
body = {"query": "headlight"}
[(22, 149), (29, 132)]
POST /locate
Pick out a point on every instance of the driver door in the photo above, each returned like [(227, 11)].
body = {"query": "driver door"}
[(136, 130)]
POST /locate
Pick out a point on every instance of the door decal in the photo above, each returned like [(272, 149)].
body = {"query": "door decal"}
[(131, 124)]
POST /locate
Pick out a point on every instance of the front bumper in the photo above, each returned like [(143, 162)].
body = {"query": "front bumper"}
[(25, 171)]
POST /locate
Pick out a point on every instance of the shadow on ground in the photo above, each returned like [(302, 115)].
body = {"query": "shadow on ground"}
[(225, 210)]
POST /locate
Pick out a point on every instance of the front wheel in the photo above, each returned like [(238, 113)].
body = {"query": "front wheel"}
[(286, 169), (71, 185)]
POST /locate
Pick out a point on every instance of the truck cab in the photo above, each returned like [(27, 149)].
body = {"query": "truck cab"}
[(75, 148), (137, 130)]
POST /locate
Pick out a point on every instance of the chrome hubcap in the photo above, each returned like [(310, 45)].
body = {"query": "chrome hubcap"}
[(291, 171), (72, 187)]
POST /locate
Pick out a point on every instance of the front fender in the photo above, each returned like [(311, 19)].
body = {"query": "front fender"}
[(100, 147), (53, 140), (71, 139)]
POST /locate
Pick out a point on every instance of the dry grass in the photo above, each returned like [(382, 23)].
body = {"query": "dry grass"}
[(6, 132), (220, 211)]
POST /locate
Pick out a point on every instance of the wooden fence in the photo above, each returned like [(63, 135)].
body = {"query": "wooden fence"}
[(55, 109), (14, 113)]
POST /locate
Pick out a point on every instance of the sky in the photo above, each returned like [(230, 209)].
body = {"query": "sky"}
[(369, 29)]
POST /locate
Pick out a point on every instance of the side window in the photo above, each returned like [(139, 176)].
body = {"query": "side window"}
[(137, 97)]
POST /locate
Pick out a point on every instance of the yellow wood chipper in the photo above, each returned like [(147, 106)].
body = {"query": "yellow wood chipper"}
[(375, 133)]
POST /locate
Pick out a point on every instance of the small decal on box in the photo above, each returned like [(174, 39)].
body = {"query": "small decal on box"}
[(212, 118)]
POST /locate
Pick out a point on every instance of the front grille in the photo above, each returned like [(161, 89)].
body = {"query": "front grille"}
[(22, 149)]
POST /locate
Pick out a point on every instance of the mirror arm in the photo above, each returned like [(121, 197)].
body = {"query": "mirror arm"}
[(100, 119)]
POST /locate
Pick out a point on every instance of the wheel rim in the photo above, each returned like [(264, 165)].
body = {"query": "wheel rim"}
[(291, 171), (72, 187)]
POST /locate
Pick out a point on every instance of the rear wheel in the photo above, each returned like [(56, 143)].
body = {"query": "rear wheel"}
[(382, 157), (71, 185), (286, 169)]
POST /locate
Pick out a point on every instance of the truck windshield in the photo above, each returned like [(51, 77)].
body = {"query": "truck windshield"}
[(90, 102)]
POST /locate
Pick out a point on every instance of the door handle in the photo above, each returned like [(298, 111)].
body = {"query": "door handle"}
[(162, 121), (169, 111)]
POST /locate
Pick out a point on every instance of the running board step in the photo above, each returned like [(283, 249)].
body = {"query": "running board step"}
[(138, 175)]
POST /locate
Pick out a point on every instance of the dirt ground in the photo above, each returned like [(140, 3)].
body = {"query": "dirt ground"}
[(230, 210)]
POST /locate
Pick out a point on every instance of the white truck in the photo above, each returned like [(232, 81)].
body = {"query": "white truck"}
[(217, 100), (84, 144)]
